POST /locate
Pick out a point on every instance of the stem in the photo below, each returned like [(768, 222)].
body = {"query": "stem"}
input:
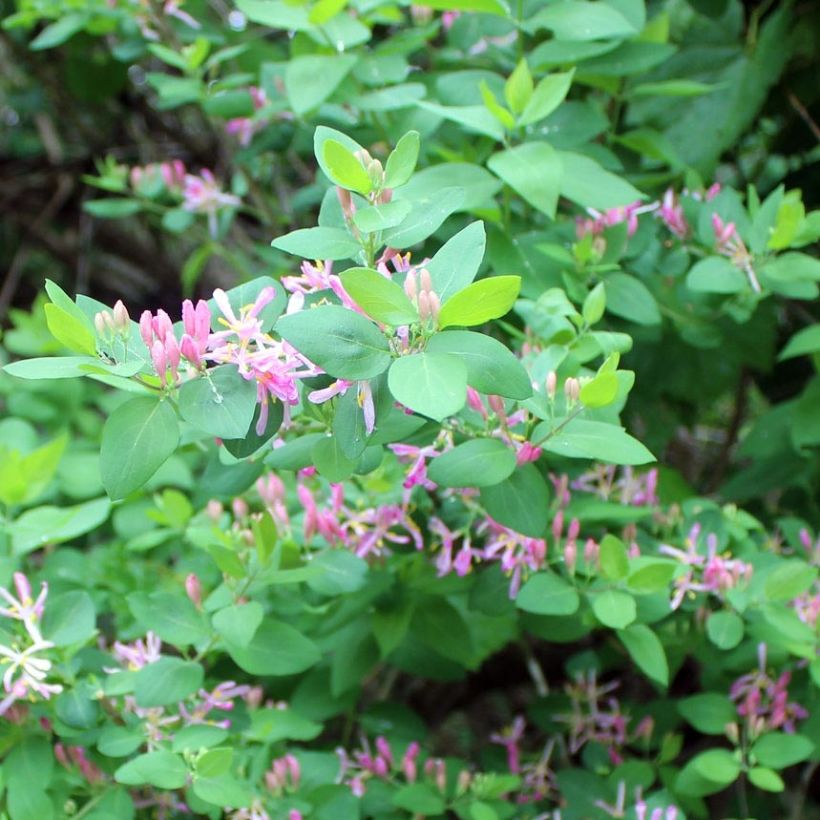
[(88, 806), (574, 414)]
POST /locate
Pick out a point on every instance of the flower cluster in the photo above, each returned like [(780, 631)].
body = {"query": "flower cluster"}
[(26, 669), (710, 573), (763, 702)]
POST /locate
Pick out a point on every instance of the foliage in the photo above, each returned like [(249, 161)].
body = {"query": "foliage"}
[(408, 532)]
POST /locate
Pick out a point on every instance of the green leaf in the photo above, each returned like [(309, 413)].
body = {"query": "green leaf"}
[(594, 305), (652, 575), (311, 79), (57, 33), (161, 769), (119, 741), (717, 765), (432, 384), (547, 96), (167, 681), (221, 404), (672, 88), (425, 217), (582, 20), (495, 108), (476, 463), (597, 440), (137, 439), (402, 161), (520, 502), (224, 791), (708, 712), (631, 299), (766, 779), (345, 169), (534, 171), (480, 302), (378, 297), (457, 261), (51, 367), (238, 622), (319, 243), (419, 799), (112, 208), (790, 579), (170, 615), (483, 6), (54, 525), (343, 343), (69, 618), (587, 184), (475, 119), (779, 750), (330, 460), (613, 559), (339, 572), (601, 391), (198, 736), (519, 87), (803, 343), (546, 593), (716, 274), (614, 608), (381, 217), (491, 367), (647, 651), (276, 649), (792, 267), (725, 629), (437, 623), (70, 331)]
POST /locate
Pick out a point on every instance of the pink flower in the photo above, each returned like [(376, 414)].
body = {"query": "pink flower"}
[(202, 195), (518, 554), (24, 608), (670, 213), (510, 738), (364, 398)]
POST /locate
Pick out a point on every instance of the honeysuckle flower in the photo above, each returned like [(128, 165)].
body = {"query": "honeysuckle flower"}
[(284, 773), (32, 670), (138, 654), (203, 195), (364, 398), (510, 738), (245, 127), (256, 811), (763, 701), (315, 277), (729, 243), (711, 573), (517, 553), (221, 698), (197, 324), (670, 212), (24, 608)]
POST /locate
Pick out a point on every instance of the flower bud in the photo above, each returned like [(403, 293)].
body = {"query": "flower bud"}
[(193, 587), (121, 318), (239, 507), (346, 201), (411, 286), (591, 551), (383, 748), (214, 510), (146, 328), (425, 280), (571, 556), (159, 358), (497, 405), (552, 383), (385, 196), (110, 325), (189, 351), (435, 305), (424, 305), (99, 325)]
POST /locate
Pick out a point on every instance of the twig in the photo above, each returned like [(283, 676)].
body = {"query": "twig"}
[(804, 115)]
